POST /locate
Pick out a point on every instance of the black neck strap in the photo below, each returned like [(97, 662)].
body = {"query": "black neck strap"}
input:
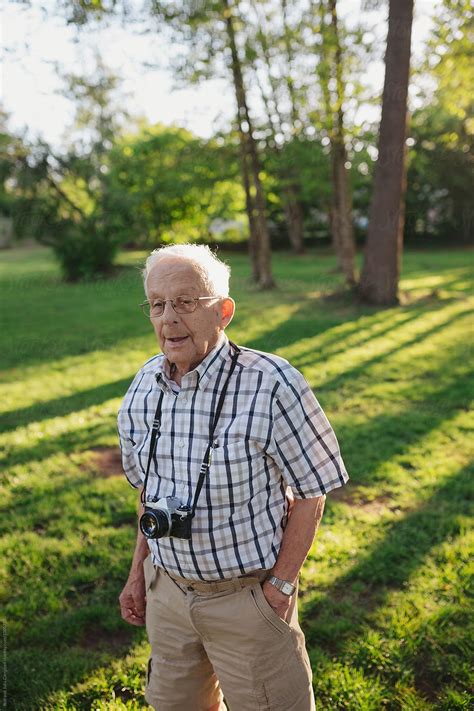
[(208, 455)]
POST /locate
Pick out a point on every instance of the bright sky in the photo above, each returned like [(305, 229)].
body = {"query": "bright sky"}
[(35, 42)]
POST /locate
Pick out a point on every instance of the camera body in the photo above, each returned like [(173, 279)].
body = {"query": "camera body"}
[(166, 517)]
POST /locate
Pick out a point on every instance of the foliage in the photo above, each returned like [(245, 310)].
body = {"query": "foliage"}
[(10, 145), (112, 185), (439, 202), (61, 199), (170, 185), (384, 593)]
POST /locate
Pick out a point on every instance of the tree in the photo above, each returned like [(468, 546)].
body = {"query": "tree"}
[(63, 197), (330, 71), (169, 185), (209, 30), (382, 261), (261, 247), (265, 40)]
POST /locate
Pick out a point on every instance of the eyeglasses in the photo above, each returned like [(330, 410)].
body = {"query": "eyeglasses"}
[(181, 304)]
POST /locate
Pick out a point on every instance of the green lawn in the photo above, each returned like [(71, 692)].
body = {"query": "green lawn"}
[(384, 600)]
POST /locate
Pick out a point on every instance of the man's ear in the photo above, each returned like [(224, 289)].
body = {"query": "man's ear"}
[(227, 311)]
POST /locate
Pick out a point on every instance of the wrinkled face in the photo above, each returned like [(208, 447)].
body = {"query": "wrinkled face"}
[(186, 339)]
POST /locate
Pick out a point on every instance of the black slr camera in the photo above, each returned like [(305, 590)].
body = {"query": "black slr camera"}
[(166, 517)]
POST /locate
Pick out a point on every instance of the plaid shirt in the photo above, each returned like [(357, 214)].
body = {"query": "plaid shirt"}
[(272, 433)]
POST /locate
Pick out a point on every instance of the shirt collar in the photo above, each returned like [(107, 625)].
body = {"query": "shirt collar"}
[(206, 369)]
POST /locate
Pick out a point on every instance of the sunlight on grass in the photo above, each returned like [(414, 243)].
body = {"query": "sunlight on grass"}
[(114, 684), (383, 593)]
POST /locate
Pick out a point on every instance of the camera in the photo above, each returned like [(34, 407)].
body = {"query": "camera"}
[(166, 517)]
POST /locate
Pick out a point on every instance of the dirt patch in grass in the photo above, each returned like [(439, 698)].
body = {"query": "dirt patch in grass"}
[(354, 495), (105, 461), (97, 638), (427, 688)]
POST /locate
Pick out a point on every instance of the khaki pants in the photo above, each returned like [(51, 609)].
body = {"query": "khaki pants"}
[(203, 642)]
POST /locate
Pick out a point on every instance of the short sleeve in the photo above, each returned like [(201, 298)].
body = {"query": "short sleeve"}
[(126, 427), (303, 443)]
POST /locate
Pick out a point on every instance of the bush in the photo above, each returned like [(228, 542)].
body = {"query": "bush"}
[(84, 250)]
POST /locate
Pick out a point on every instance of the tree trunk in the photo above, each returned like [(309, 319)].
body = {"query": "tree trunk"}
[(265, 278), (343, 235), (381, 270), (250, 210), (294, 218), (342, 200), (293, 207)]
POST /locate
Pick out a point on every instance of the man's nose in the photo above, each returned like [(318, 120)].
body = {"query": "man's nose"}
[(169, 314)]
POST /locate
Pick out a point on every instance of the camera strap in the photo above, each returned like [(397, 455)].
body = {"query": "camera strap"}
[(154, 431), (208, 455)]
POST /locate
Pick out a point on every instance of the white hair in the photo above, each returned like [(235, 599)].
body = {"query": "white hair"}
[(214, 273)]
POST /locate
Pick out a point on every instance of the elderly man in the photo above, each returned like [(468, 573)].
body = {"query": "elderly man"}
[(233, 457)]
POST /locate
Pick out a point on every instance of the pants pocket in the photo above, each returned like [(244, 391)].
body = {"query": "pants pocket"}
[(266, 612)]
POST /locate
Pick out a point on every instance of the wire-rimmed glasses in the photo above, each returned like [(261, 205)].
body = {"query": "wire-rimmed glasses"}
[(181, 304)]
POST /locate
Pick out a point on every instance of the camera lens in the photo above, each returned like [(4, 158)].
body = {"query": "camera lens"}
[(154, 524)]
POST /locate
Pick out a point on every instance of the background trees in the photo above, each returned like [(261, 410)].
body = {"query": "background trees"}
[(296, 166), (440, 166)]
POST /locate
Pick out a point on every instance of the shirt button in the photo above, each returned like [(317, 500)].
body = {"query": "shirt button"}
[(181, 443), (184, 398)]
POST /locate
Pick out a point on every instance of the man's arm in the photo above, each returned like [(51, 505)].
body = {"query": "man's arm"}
[(297, 539), (132, 598)]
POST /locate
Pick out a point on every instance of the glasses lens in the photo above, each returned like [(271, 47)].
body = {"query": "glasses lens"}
[(156, 308), (184, 304)]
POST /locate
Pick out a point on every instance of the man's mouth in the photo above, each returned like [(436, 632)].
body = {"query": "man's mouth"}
[(177, 339)]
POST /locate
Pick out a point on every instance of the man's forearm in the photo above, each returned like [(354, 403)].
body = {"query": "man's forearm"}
[(141, 546), (298, 537), (133, 596)]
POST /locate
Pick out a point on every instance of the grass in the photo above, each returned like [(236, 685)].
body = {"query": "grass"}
[(384, 601)]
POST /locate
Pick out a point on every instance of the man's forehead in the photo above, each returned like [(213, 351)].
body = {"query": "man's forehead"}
[(173, 272)]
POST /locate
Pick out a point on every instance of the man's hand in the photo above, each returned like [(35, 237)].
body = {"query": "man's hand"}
[(133, 600), (279, 602)]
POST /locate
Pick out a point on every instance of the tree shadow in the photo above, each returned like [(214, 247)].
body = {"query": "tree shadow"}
[(64, 633), (362, 370), (70, 319), (302, 359), (77, 440), (310, 319), (59, 407), (389, 434), (342, 614)]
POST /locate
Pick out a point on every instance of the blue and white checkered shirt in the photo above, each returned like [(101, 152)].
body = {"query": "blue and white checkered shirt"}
[(272, 433)]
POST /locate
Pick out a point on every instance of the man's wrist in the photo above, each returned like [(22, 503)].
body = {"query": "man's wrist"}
[(286, 587)]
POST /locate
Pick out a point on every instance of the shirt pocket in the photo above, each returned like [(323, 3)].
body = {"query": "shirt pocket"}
[(234, 473)]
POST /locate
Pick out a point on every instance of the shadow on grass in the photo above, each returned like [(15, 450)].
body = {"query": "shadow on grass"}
[(332, 384), (62, 613), (389, 434), (282, 336), (341, 616), (88, 583), (78, 440), (59, 407), (81, 631)]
